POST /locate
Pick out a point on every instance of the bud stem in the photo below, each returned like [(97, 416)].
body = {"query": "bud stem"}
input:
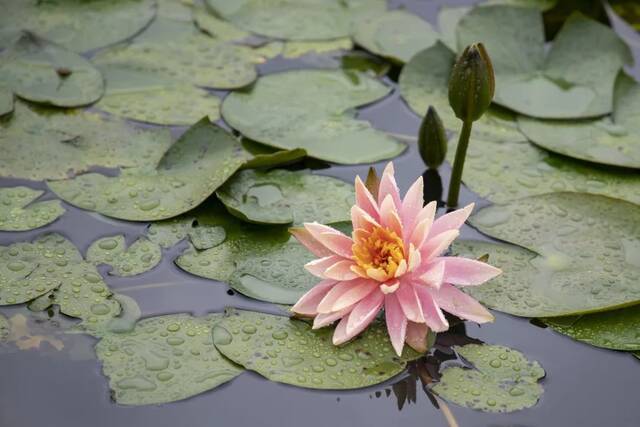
[(458, 164)]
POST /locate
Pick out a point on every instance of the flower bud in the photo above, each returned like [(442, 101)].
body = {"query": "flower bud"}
[(472, 83), (432, 139)]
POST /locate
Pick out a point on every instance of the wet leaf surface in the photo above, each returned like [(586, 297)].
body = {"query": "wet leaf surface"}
[(141, 256), (19, 212), (6, 101)]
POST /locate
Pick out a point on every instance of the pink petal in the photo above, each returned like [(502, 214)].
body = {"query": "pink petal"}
[(307, 240), (467, 272), (396, 322), (409, 302), (388, 186), (434, 276), (460, 304), (389, 217), (322, 320), (423, 225), (412, 205), (451, 221), (359, 290), (433, 316), (414, 258), (428, 211), (331, 238), (331, 297), (362, 220), (317, 267), (341, 270), (307, 305), (417, 336), (364, 312), (365, 200), (341, 335), (434, 247)]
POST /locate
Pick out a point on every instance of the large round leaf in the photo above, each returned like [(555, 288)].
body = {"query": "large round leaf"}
[(610, 141), (309, 109), (142, 255), (45, 144), (588, 248), (574, 80), (18, 213), (164, 359), (169, 232), (193, 168), (289, 351), (283, 197)]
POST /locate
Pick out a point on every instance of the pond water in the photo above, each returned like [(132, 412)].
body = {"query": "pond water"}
[(585, 386)]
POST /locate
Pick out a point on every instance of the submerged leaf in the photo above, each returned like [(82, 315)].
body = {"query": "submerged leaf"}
[(141, 256), (289, 351), (18, 213), (164, 359), (503, 380), (193, 168)]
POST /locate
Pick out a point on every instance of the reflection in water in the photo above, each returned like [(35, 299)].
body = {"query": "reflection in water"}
[(432, 186)]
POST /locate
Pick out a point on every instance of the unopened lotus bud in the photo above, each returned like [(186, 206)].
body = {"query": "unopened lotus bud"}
[(432, 139), (472, 83)]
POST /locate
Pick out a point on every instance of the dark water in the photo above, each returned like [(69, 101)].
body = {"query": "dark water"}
[(585, 386)]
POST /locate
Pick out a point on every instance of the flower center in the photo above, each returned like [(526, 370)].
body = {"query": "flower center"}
[(378, 252)]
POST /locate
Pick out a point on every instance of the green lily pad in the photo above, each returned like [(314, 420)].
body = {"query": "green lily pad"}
[(6, 101), (179, 10), (164, 359), (141, 256), (610, 141), (5, 328), (147, 97), (264, 263), (42, 144), (542, 5), (193, 168), (574, 80), (296, 49), (312, 109), (588, 245), (448, 18), (169, 232), (18, 213), (217, 28), (265, 157), (289, 351), (616, 329), (504, 171), (78, 25), (42, 72), (395, 34), (424, 82), (502, 380), (283, 197)]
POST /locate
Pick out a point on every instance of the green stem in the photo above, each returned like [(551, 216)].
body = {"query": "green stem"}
[(458, 164)]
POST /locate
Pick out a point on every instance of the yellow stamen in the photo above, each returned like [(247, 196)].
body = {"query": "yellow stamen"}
[(379, 252)]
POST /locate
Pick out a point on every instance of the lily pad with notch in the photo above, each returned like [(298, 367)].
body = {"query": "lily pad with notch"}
[(141, 256), (19, 212)]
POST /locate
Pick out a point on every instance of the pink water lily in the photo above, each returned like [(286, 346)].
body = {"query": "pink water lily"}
[(393, 260)]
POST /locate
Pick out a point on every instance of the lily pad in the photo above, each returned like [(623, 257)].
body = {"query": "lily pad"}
[(78, 25), (193, 168), (283, 197), (574, 80), (311, 109), (616, 329), (424, 82), (265, 157), (296, 49), (147, 97), (42, 144), (504, 171), (164, 359), (448, 18), (588, 245), (5, 329), (6, 101), (542, 5), (169, 232), (217, 28), (502, 379), (289, 351), (141, 256), (395, 34), (42, 72), (610, 141), (18, 213)]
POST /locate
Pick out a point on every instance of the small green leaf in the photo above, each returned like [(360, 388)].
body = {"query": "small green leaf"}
[(164, 359), (289, 351), (18, 213), (6, 101), (502, 380), (141, 256), (265, 157), (296, 49)]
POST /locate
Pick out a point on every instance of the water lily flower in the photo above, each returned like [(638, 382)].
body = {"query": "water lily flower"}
[(394, 260)]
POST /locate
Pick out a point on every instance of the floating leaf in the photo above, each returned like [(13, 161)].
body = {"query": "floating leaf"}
[(289, 351), (448, 18), (5, 329), (179, 10), (193, 168), (283, 197), (18, 213), (169, 232), (42, 144), (42, 72), (503, 380), (141, 256), (610, 141), (296, 49), (164, 359), (78, 25), (6, 101), (216, 27), (148, 97), (395, 34), (617, 329), (503, 171), (589, 253), (265, 157), (309, 109), (542, 5), (574, 80), (424, 81)]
